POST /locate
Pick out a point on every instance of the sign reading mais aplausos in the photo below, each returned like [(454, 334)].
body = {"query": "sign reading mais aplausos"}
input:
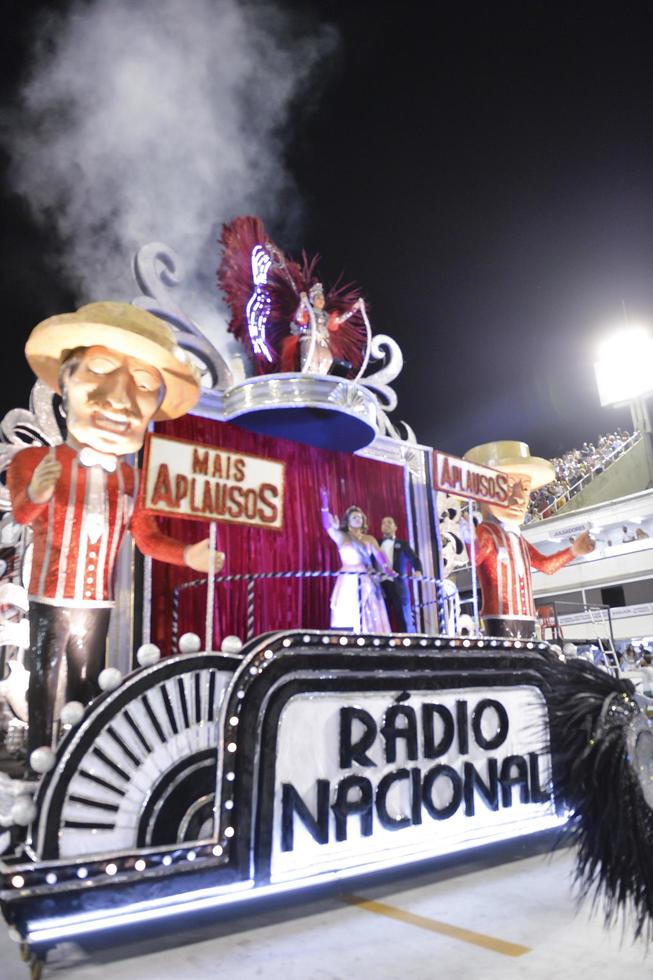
[(187, 479)]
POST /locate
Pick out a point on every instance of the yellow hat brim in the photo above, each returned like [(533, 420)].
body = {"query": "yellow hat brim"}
[(126, 329), (513, 457), (541, 471)]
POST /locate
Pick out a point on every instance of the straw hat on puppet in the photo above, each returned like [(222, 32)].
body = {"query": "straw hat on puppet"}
[(513, 457), (124, 328)]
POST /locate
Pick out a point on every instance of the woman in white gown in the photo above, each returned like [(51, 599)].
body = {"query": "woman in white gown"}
[(357, 600)]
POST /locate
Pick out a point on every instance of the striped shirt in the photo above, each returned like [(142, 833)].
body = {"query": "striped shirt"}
[(504, 559), (78, 532)]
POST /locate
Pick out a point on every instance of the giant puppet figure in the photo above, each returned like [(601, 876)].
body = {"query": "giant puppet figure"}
[(117, 368), (503, 556)]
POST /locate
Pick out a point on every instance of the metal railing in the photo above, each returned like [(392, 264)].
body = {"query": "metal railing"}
[(442, 599), (576, 487), (598, 613)]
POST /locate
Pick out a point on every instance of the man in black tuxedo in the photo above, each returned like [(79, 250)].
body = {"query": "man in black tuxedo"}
[(403, 559)]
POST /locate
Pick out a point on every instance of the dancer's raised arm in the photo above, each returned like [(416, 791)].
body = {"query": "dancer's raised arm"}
[(330, 522)]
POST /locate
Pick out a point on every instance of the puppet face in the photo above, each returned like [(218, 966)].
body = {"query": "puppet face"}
[(518, 497), (110, 400), (318, 301), (388, 527)]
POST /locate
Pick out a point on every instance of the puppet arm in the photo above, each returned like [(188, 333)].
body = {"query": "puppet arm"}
[(19, 475), (153, 542), (549, 564), (483, 545)]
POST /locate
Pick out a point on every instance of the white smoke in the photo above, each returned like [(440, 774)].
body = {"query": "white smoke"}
[(148, 120)]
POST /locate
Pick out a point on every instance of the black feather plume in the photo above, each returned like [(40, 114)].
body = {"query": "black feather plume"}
[(602, 748)]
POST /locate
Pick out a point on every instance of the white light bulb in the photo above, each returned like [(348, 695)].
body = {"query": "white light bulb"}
[(109, 679), (148, 654), (190, 643), (231, 644), (23, 811), (71, 713), (42, 759)]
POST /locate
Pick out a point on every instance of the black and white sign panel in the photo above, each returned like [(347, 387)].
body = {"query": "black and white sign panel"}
[(372, 778)]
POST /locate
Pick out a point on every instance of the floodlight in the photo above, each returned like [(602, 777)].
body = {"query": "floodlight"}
[(624, 369)]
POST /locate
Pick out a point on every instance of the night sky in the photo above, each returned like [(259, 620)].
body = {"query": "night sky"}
[(483, 170)]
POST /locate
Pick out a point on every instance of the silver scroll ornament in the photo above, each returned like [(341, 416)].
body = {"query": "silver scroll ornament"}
[(158, 270)]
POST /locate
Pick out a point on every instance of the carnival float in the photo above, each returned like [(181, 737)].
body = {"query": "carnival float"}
[(240, 666)]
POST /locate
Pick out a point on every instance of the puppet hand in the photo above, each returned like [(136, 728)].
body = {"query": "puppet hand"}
[(583, 544), (44, 479), (196, 557)]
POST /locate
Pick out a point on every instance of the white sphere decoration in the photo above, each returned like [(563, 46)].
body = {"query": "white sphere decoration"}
[(109, 678), (148, 654), (71, 713), (189, 643), (23, 812), (42, 759), (231, 644), (465, 625)]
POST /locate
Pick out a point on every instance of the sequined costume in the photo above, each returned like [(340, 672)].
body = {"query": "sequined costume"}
[(321, 357), (315, 349)]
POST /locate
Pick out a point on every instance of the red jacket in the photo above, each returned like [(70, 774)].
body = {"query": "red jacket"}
[(78, 532), (504, 560)]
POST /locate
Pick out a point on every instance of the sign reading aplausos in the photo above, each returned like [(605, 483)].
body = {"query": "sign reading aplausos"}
[(465, 479), (362, 779), (191, 480)]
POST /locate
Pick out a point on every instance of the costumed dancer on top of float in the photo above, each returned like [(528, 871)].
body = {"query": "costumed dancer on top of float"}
[(117, 368), (316, 355), (357, 601), (401, 557), (503, 556), (281, 313)]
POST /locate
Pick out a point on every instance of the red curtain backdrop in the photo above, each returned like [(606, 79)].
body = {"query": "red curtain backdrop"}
[(302, 544)]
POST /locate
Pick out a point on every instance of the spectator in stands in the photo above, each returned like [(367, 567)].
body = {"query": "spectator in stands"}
[(574, 469), (630, 658)]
